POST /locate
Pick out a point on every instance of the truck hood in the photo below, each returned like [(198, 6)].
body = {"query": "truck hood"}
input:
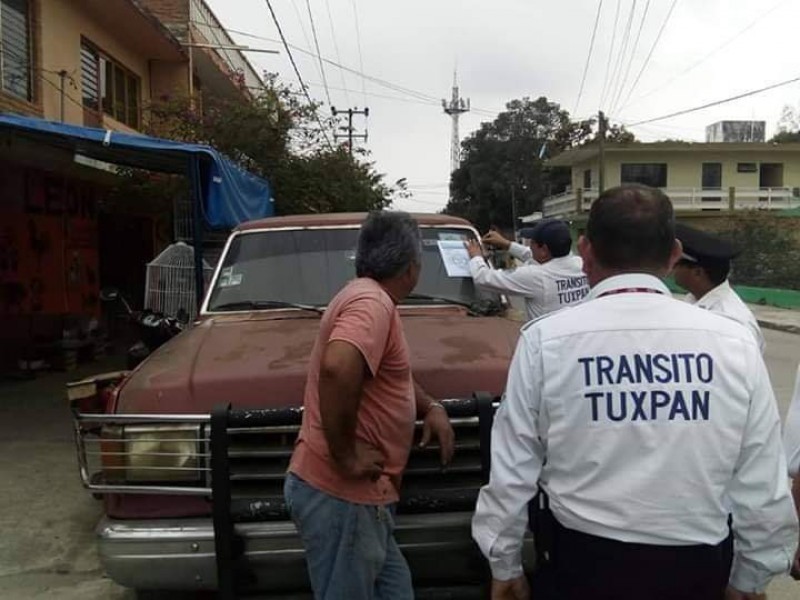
[(261, 360)]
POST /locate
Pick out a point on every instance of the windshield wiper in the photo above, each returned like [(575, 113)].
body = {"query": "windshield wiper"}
[(264, 304), (456, 301), (478, 308)]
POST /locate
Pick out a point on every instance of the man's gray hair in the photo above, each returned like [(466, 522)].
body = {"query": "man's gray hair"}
[(387, 245)]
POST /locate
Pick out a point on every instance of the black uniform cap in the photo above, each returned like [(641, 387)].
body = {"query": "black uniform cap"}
[(704, 248)]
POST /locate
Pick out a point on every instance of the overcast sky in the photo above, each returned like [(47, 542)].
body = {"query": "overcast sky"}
[(506, 49)]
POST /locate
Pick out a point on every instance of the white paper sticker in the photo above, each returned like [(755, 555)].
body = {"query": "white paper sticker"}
[(455, 258), (451, 236)]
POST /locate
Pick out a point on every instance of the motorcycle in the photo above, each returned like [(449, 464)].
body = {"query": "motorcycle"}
[(154, 328)]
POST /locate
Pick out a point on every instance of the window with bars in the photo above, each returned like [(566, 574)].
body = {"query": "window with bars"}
[(15, 48), (109, 87)]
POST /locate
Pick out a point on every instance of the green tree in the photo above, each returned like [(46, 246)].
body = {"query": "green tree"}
[(505, 157), (276, 136)]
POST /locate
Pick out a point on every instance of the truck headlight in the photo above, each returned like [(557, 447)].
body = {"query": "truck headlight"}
[(153, 453)]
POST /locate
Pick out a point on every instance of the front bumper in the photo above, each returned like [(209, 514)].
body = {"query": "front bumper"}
[(179, 554)]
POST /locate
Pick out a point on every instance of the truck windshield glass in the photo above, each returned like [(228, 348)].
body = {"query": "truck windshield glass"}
[(310, 266)]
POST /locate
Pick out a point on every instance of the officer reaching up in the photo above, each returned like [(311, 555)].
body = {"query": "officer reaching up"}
[(645, 421), (703, 271), (551, 277)]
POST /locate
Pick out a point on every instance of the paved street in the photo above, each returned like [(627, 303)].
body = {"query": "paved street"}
[(46, 518)]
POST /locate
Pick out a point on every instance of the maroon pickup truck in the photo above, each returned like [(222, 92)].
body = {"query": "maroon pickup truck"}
[(188, 451)]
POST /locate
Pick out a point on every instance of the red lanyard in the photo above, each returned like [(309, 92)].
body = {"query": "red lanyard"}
[(636, 290)]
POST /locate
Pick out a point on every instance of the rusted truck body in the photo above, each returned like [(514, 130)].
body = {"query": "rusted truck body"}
[(145, 441)]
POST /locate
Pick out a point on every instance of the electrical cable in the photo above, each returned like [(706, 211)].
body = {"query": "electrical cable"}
[(360, 54), (589, 57), (610, 54), (381, 82), (319, 54), (718, 102), (714, 52), (616, 74), (630, 60), (336, 49), (650, 54), (303, 86)]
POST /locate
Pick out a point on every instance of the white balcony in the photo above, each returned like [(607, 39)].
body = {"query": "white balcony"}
[(686, 199)]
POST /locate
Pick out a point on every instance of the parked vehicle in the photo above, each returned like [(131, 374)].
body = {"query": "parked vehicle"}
[(153, 328), (147, 443)]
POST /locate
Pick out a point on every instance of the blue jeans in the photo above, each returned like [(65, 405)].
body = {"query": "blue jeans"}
[(350, 548)]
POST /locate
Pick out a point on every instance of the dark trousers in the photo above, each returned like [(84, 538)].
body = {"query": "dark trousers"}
[(584, 566)]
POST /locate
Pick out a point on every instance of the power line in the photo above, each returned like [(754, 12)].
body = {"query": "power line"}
[(633, 54), (718, 102), (589, 57), (336, 48), (360, 54), (299, 77), (610, 54), (714, 52), (650, 54), (381, 82), (616, 74), (319, 54), (301, 21)]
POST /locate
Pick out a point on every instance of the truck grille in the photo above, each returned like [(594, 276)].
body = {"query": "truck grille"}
[(259, 446)]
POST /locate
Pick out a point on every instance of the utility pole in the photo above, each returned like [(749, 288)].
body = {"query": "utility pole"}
[(350, 132), (601, 175), (62, 75), (455, 108)]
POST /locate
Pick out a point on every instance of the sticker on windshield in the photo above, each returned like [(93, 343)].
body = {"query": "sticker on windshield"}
[(455, 258), (229, 279)]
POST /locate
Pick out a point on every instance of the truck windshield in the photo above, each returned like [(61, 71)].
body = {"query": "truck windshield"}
[(310, 266)]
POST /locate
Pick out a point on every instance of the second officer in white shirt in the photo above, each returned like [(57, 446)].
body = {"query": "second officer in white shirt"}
[(552, 280), (646, 421), (703, 271)]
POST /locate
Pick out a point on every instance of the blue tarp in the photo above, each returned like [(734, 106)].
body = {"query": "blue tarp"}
[(230, 194)]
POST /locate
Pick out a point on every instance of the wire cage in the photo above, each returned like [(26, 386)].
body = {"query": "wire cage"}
[(170, 287)]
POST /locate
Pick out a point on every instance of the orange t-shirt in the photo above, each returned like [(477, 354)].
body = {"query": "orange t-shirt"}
[(364, 315)]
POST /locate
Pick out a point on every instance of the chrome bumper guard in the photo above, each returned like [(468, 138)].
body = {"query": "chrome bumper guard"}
[(219, 455)]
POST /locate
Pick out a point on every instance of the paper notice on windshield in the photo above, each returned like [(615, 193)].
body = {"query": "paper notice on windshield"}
[(455, 258)]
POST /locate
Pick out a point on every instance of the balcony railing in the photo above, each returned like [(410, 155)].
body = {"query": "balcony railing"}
[(687, 199), (206, 24)]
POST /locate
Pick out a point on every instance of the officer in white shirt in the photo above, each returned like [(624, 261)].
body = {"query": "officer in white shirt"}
[(552, 280), (703, 271), (645, 421), (791, 443)]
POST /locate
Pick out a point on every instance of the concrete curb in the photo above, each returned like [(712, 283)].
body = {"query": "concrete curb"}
[(787, 327)]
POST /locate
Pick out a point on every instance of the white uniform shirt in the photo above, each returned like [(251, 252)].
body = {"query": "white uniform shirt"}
[(546, 287), (791, 432), (646, 420), (725, 301)]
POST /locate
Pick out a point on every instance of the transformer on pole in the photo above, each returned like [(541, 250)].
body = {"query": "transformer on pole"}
[(455, 108)]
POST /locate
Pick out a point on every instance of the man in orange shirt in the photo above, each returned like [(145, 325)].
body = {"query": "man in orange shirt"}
[(360, 406)]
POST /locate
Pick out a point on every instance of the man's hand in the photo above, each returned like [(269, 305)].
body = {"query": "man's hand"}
[(493, 238), (437, 424), (366, 462), (734, 594), (513, 589), (473, 248)]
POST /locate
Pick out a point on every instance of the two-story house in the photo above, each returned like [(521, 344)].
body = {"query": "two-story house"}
[(696, 176)]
